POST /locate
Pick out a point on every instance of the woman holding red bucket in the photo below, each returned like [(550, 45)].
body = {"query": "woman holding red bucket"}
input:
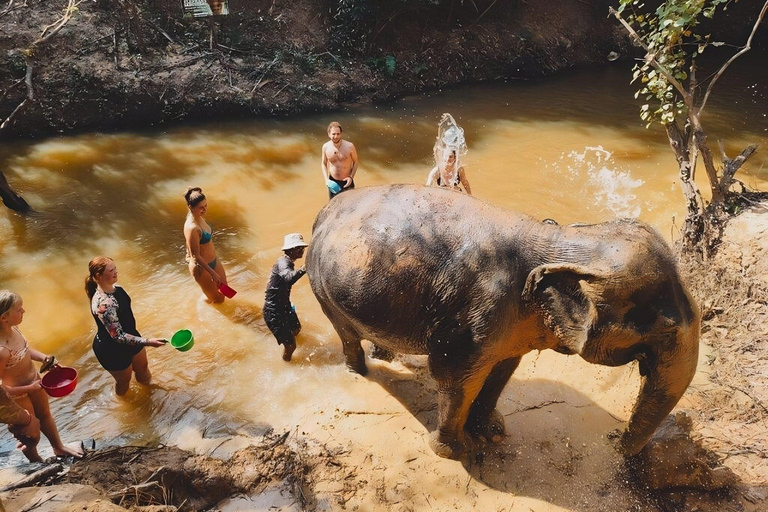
[(204, 266), (20, 378), (118, 345)]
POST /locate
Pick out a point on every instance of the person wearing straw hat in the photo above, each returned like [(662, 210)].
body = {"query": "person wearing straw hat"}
[(280, 316)]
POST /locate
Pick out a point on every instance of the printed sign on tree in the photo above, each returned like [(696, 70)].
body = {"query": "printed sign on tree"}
[(203, 8)]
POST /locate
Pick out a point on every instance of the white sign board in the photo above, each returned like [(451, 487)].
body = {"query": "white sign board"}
[(203, 8)]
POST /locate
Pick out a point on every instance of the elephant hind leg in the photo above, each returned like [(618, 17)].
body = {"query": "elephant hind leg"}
[(484, 420), (350, 341)]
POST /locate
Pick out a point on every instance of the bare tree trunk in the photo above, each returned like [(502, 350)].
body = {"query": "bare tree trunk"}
[(11, 199), (693, 228), (709, 162)]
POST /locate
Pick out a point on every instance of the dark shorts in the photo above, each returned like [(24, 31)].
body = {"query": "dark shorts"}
[(283, 324), (341, 183), (114, 357)]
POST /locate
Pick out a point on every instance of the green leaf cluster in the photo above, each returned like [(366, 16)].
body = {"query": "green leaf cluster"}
[(669, 33)]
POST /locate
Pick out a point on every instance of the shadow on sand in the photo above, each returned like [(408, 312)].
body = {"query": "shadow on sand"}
[(558, 448)]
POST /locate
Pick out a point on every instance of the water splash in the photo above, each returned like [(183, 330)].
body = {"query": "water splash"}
[(611, 187)]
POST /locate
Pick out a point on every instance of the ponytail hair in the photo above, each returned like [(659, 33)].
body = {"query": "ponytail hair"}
[(8, 299), (194, 196), (95, 267)]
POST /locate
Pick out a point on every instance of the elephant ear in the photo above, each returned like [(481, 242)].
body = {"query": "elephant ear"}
[(561, 293)]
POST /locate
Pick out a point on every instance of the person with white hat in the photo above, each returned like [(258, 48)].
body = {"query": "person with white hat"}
[(280, 316)]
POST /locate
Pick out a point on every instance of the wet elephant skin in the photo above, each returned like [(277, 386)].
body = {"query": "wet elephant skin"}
[(474, 287)]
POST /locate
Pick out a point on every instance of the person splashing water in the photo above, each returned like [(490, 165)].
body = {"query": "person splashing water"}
[(450, 146)]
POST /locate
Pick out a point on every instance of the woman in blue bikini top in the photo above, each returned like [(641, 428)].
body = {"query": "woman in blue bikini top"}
[(204, 266)]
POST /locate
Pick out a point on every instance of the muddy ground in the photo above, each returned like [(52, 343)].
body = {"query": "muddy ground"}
[(710, 455), (133, 63), (120, 63)]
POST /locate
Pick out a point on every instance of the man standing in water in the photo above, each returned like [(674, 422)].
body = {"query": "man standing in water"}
[(339, 163), (280, 316)]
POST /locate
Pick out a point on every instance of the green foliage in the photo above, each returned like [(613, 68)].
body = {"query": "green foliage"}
[(386, 64), (669, 34), (419, 68), (389, 65)]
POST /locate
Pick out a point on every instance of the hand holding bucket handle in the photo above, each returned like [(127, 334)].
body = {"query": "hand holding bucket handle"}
[(48, 363)]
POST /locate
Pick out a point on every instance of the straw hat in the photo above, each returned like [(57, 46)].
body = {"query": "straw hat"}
[(293, 240)]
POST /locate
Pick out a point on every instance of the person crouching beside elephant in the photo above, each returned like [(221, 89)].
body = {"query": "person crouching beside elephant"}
[(280, 316)]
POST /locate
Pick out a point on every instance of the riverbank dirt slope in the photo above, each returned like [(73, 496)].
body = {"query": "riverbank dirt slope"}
[(133, 63), (560, 413)]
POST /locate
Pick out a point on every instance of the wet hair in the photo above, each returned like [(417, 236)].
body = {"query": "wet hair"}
[(8, 299), (194, 196), (334, 124), (95, 267)]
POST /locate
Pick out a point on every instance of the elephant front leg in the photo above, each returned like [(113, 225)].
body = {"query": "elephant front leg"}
[(456, 392), (484, 420)]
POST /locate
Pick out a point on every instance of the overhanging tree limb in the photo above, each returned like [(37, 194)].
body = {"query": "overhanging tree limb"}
[(738, 54), (650, 57)]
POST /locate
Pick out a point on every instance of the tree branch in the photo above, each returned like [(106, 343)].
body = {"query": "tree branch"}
[(34, 478), (57, 25), (7, 9), (738, 54), (731, 165), (54, 28), (650, 58), (30, 95)]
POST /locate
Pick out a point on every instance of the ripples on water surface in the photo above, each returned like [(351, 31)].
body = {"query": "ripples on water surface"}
[(571, 148)]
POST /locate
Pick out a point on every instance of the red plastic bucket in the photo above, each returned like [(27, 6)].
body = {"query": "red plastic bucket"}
[(59, 381), (227, 291)]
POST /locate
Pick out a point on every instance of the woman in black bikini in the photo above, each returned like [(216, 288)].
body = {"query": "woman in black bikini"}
[(118, 345), (204, 266)]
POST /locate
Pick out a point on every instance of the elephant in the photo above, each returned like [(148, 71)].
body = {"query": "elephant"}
[(474, 287)]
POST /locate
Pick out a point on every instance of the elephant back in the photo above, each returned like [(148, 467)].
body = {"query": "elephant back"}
[(396, 261)]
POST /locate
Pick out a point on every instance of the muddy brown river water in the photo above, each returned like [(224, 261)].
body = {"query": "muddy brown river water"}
[(571, 148)]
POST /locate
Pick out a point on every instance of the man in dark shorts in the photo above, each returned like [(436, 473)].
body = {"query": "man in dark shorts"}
[(280, 316), (339, 162)]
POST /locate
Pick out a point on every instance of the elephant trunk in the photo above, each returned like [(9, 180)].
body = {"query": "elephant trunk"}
[(666, 374)]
